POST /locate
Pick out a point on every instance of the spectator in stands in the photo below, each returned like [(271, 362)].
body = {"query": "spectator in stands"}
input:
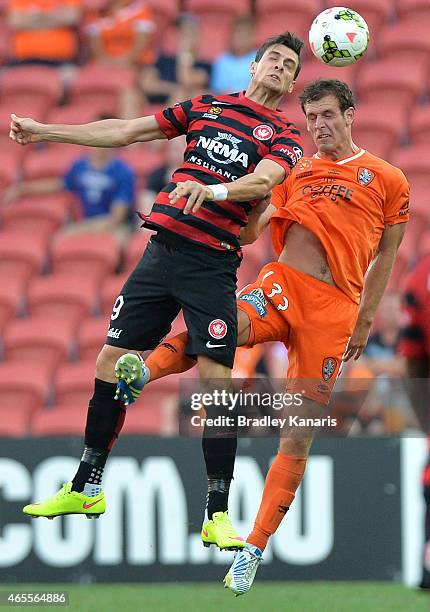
[(233, 66), (175, 75), (43, 32), (104, 186), (123, 35)]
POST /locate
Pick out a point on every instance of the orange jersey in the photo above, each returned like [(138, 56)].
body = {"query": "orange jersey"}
[(346, 204)]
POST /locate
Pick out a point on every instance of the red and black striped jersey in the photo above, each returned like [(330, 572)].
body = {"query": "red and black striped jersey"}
[(227, 136)]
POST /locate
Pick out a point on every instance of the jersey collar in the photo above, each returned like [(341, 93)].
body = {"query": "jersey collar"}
[(340, 162)]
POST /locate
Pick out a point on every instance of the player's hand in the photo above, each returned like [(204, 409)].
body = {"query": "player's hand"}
[(197, 195), (358, 340), (24, 130)]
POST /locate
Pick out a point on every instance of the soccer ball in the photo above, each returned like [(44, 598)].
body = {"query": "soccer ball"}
[(339, 36)]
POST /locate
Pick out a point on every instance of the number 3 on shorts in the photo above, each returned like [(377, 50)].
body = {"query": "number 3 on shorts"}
[(119, 303), (276, 290)]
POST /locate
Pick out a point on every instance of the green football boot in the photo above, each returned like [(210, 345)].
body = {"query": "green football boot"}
[(66, 501), (220, 532), (132, 375)]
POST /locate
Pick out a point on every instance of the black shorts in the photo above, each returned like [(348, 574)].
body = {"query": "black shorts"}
[(175, 274)]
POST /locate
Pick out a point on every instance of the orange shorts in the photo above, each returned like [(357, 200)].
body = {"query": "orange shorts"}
[(313, 319)]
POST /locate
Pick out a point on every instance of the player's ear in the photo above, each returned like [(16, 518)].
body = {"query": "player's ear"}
[(291, 87), (350, 115), (253, 68)]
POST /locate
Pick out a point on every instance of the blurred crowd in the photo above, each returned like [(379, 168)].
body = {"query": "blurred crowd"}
[(168, 54)]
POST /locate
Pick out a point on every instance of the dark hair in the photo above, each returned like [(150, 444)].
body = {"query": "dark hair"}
[(326, 87), (288, 40)]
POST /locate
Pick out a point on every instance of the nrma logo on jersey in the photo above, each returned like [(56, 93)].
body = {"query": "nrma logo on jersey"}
[(224, 149)]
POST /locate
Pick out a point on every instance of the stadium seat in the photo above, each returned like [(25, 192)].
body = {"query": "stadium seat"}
[(415, 163), (135, 248), (11, 298), (69, 296), (378, 132), (417, 11), (110, 290), (9, 164), (99, 85), (22, 254), (74, 383), (38, 340), (92, 337), (216, 17), (72, 113), (61, 420), (164, 12), (48, 213), (23, 392), (53, 161), (419, 126), (374, 13), (145, 420), (143, 158), (392, 80), (297, 17), (87, 254), (31, 84), (13, 424), (415, 42)]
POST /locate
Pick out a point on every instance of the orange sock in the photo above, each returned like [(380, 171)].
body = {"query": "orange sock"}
[(170, 358), (282, 481)]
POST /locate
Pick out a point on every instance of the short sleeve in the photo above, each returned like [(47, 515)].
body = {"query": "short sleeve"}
[(397, 200), (174, 120), (286, 149), (124, 191), (280, 194)]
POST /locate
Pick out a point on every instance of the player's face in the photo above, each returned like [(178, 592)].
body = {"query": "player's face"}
[(330, 128), (276, 69)]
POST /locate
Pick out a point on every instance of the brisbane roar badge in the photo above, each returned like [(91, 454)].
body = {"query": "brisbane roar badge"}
[(365, 176)]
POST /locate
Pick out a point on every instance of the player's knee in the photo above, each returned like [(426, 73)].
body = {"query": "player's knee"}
[(106, 360)]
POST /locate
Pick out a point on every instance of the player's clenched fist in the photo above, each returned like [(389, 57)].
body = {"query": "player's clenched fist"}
[(198, 194), (24, 130)]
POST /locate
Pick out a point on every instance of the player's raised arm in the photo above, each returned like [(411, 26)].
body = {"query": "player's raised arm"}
[(374, 287), (105, 133), (253, 186)]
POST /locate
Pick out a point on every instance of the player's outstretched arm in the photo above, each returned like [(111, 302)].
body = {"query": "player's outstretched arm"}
[(374, 287), (253, 186), (105, 133)]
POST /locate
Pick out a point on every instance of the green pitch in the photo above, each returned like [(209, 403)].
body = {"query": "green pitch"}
[(267, 597)]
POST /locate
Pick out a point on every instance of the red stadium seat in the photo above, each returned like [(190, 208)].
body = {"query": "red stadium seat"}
[(74, 383), (70, 296), (73, 113), (296, 16), (143, 159), (110, 291), (374, 13), (92, 337), (99, 85), (11, 298), (22, 254), (417, 11), (205, 7), (419, 126), (23, 392), (13, 424), (135, 248), (148, 420), (164, 12), (415, 42), (32, 84), (398, 81), (39, 340), (47, 213), (379, 132), (87, 254), (52, 161), (61, 420), (415, 163)]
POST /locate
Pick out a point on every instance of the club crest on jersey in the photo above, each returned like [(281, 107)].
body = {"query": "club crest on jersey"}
[(223, 152), (217, 329), (213, 112), (365, 176), (305, 164), (328, 367), (263, 132)]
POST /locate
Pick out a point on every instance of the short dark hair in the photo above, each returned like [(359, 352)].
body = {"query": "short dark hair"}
[(288, 40), (328, 87)]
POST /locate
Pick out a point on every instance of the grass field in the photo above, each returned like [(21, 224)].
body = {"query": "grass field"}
[(264, 597)]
